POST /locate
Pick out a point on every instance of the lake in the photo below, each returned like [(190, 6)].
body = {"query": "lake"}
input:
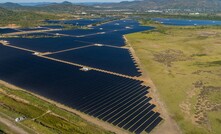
[(186, 22)]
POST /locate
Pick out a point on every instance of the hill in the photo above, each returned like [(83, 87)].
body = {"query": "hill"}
[(187, 5), (23, 18), (64, 7), (10, 5)]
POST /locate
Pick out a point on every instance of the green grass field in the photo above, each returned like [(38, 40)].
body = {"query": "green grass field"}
[(16, 103), (185, 65)]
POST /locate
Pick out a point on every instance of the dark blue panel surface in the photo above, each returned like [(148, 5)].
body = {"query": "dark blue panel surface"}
[(49, 44), (107, 58)]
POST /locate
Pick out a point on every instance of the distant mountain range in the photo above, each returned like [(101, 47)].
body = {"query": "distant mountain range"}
[(136, 5), (64, 7), (142, 5)]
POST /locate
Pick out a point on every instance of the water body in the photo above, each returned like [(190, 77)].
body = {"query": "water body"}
[(186, 22)]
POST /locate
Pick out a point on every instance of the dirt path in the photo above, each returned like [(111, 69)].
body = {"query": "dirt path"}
[(47, 112), (12, 126)]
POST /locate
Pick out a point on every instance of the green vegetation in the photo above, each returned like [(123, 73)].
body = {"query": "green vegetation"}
[(184, 64), (171, 6), (55, 8), (4, 129), (42, 117), (148, 16), (23, 18)]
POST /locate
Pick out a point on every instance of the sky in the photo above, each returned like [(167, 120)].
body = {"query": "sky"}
[(74, 1)]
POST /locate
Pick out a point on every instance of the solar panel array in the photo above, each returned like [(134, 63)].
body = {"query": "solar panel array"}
[(47, 44), (117, 100), (106, 58), (121, 101), (7, 30)]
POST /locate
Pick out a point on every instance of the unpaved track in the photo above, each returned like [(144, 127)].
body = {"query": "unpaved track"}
[(12, 125)]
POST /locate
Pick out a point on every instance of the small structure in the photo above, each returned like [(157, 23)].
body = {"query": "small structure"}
[(57, 34), (36, 53), (85, 69), (99, 45), (19, 119), (5, 41), (102, 32), (194, 13), (128, 27), (90, 25), (83, 13)]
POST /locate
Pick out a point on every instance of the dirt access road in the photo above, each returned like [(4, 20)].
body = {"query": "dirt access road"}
[(12, 125)]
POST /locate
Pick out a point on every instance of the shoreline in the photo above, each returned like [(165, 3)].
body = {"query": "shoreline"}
[(82, 115)]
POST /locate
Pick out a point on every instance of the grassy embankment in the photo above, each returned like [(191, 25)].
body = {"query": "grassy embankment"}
[(42, 117), (185, 65)]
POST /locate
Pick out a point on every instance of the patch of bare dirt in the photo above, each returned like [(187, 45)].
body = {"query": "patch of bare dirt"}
[(204, 104), (169, 56), (12, 26), (186, 105), (208, 33)]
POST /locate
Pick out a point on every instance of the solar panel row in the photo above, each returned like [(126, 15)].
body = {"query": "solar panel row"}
[(106, 58), (120, 101), (117, 100)]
